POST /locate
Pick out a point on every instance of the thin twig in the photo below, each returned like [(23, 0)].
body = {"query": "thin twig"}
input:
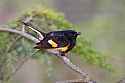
[(121, 81), (72, 81), (26, 23), (85, 77)]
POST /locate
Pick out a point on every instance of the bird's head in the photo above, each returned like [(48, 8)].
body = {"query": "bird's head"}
[(72, 33)]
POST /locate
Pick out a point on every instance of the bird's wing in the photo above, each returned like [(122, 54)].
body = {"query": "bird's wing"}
[(58, 41), (50, 42)]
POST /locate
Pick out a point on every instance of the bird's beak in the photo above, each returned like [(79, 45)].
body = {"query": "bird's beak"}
[(78, 33)]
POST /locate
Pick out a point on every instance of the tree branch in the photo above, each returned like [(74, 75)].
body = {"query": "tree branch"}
[(66, 61), (28, 36)]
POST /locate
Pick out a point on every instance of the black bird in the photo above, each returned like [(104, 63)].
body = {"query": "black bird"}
[(62, 41)]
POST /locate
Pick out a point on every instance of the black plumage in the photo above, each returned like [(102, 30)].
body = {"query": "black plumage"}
[(62, 41)]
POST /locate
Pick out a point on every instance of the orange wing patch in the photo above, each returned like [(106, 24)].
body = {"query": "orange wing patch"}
[(63, 49), (51, 42)]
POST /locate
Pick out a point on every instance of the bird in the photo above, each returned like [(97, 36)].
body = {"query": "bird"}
[(62, 41)]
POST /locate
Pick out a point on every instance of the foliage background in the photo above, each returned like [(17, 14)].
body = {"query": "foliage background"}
[(101, 22)]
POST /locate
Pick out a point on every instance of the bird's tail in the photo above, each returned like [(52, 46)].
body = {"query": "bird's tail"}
[(38, 46)]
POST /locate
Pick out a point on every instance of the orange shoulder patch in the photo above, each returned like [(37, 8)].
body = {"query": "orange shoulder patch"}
[(51, 42)]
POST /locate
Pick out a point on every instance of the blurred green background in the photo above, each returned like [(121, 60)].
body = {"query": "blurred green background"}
[(101, 21)]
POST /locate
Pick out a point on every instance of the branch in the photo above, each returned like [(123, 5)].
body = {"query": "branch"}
[(121, 81), (26, 35), (66, 61)]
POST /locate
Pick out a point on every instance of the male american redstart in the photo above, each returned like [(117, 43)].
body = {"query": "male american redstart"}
[(62, 41)]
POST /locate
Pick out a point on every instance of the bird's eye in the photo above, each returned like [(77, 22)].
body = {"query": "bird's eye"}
[(52, 34), (78, 33)]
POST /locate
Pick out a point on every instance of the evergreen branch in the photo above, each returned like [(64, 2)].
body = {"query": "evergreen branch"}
[(20, 65), (66, 60)]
